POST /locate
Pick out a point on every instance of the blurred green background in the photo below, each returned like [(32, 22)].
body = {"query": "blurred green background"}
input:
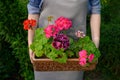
[(14, 58)]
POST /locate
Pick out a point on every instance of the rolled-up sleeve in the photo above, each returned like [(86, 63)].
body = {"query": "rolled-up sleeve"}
[(34, 6), (94, 6)]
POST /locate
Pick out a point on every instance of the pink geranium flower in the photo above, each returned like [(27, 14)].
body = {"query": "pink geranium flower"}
[(48, 31), (51, 30), (63, 23), (82, 61), (83, 54), (90, 57), (55, 31), (83, 57)]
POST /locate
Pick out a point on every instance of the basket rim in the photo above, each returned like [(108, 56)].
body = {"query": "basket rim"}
[(40, 65), (47, 59)]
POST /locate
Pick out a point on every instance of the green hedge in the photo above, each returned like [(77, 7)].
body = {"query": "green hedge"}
[(12, 14), (8, 63), (109, 47)]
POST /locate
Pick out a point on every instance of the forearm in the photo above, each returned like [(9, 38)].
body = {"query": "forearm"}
[(31, 32), (33, 13), (95, 28)]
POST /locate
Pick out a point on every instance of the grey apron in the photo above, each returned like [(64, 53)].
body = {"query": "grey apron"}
[(76, 10)]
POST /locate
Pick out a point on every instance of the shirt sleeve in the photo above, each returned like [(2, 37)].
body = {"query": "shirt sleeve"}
[(94, 7), (34, 6)]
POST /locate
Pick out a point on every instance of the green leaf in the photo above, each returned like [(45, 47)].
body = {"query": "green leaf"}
[(71, 40), (39, 53), (69, 53)]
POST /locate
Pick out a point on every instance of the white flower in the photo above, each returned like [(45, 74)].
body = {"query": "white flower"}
[(80, 34)]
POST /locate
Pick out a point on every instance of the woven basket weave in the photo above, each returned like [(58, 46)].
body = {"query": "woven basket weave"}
[(49, 65)]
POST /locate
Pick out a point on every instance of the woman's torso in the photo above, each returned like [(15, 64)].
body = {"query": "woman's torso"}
[(76, 10)]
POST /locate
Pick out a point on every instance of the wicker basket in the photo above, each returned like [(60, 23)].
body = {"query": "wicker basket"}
[(49, 65)]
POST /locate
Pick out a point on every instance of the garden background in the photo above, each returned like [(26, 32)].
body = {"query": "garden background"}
[(14, 59)]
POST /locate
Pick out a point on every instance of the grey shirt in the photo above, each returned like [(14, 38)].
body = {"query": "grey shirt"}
[(34, 6), (76, 10)]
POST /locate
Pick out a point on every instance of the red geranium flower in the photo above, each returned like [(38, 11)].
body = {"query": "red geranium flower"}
[(28, 24)]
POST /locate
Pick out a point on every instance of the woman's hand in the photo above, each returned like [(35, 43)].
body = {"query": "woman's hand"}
[(31, 55), (30, 40)]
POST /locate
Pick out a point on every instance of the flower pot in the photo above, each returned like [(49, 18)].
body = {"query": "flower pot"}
[(72, 64)]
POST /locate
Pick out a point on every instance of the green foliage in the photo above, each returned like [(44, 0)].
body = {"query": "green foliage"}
[(90, 46), (110, 41), (110, 45), (8, 63), (42, 46), (110, 10), (13, 12)]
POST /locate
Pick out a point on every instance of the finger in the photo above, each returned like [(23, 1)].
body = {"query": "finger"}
[(31, 60), (31, 57)]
